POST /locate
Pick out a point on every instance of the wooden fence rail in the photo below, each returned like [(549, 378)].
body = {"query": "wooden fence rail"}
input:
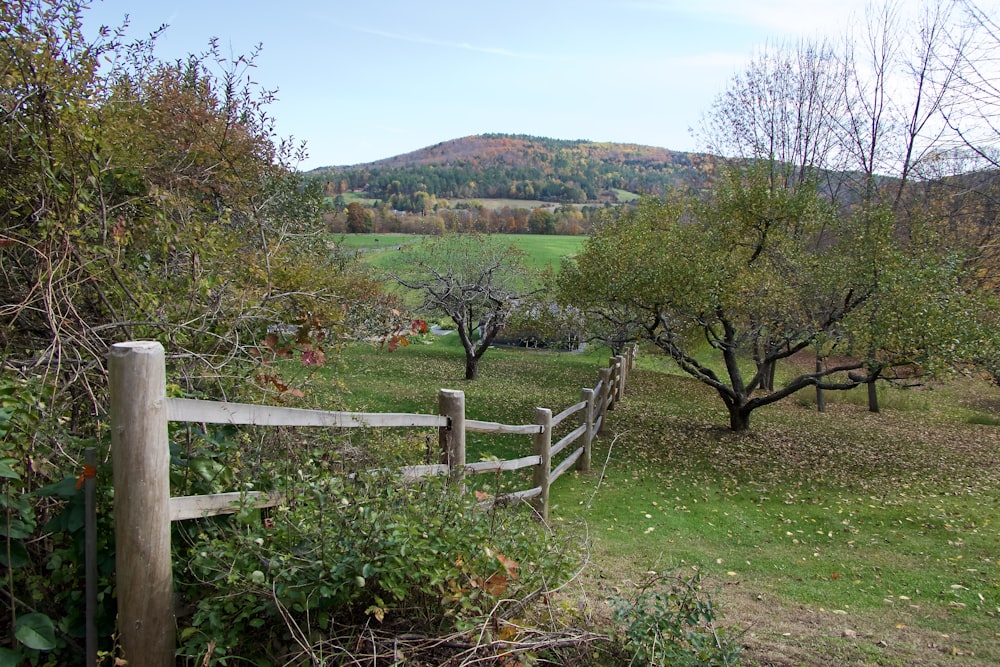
[(139, 415)]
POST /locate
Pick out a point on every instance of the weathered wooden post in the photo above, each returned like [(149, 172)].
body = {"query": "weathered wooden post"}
[(614, 381), (543, 448), (451, 438), (141, 470), (583, 463), (603, 398), (622, 374)]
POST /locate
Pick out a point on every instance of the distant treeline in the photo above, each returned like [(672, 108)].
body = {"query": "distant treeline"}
[(565, 219)]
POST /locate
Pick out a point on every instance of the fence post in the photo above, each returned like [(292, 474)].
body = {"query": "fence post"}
[(543, 448), (140, 459), (622, 374), (587, 396), (451, 404), (614, 380), (602, 398)]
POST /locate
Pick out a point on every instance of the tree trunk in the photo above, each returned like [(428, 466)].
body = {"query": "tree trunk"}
[(873, 394), (739, 418), (820, 399), (471, 367), (766, 372)]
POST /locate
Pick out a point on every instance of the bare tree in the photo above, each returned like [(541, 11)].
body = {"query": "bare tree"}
[(973, 54), (475, 280), (896, 87), (779, 110)]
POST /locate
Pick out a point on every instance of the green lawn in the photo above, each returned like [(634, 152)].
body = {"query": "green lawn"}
[(541, 250), (375, 241), (842, 538)]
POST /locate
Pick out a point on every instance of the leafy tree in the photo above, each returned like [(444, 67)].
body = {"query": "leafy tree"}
[(541, 221), (359, 220), (925, 317), (475, 280), (864, 117), (756, 274), (139, 199)]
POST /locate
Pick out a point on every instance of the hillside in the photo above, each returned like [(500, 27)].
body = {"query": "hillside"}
[(521, 167)]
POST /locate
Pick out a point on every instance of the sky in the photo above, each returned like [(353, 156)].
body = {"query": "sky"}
[(362, 81)]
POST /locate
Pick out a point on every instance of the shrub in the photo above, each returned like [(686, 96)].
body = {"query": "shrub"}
[(670, 621), (373, 549)]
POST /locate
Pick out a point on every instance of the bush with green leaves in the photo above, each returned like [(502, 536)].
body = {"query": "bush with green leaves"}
[(42, 534), (421, 556), (671, 621)]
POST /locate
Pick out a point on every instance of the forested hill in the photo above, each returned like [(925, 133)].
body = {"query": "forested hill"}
[(521, 167)]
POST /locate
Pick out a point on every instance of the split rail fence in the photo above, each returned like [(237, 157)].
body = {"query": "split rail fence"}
[(143, 508)]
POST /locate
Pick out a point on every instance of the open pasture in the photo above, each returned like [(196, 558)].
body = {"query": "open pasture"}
[(541, 251), (844, 538)]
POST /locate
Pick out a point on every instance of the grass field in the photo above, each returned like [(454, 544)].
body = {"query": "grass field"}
[(844, 538), (375, 241), (540, 250), (497, 204)]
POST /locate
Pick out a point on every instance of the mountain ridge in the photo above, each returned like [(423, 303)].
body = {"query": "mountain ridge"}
[(488, 143), (522, 167)]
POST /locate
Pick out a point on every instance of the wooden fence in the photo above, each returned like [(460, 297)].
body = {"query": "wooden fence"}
[(143, 508)]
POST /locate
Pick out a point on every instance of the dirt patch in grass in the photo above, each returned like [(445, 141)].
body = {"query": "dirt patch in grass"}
[(775, 632), (779, 634)]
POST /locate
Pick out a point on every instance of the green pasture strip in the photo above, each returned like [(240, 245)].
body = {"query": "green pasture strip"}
[(349, 197), (499, 203), (624, 196), (375, 241), (542, 250)]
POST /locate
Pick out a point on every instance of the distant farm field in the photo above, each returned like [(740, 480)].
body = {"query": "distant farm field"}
[(623, 197), (382, 250), (496, 204)]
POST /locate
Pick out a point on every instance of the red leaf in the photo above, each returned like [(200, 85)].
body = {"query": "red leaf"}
[(496, 584), (313, 358), (397, 341), (510, 565)]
